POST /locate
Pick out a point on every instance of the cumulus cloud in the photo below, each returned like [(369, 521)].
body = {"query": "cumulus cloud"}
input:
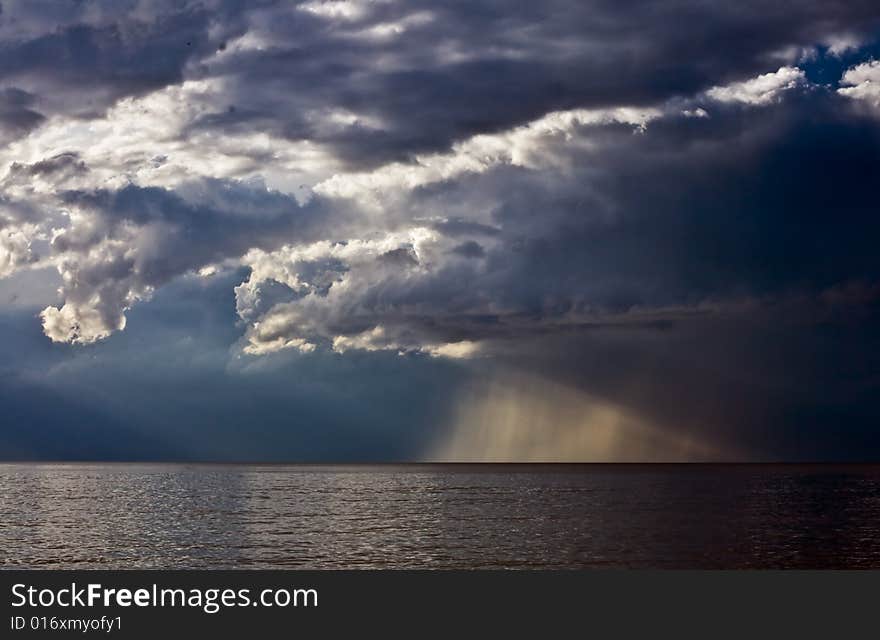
[(120, 245)]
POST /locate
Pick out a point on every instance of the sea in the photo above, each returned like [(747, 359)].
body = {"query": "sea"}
[(439, 516)]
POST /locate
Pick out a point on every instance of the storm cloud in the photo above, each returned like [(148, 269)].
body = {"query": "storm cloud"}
[(665, 215)]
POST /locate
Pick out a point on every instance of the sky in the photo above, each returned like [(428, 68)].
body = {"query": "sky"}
[(355, 230)]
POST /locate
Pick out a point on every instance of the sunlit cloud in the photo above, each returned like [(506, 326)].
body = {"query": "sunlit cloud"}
[(862, 83), (761, 90)]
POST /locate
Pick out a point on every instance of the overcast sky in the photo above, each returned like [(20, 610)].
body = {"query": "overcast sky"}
[(381, 230)]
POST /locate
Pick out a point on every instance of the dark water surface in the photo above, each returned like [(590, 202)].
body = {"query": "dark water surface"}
[(438, 516)]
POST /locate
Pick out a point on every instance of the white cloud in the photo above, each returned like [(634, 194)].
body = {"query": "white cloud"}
[(529, 145), (371, 340), (79, 324), (762, 90), (699, 112), (340, 9), (455, 350), (379, 339), (864, 83), (384, 31), (100, 282), (262, 347), (147, 141), (15, 249), (334, 283), (842, 43)]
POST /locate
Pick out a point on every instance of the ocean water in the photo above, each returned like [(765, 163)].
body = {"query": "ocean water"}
[(438, 516)]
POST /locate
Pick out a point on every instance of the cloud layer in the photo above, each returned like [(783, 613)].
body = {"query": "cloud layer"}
[(471, 182)]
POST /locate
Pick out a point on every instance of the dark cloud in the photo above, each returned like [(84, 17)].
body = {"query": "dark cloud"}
[(457, 227), (469, 249), (668, 209), (708, 209), (68, 162), (433, 76), (17, 115), (79, 58), (462, 69)]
